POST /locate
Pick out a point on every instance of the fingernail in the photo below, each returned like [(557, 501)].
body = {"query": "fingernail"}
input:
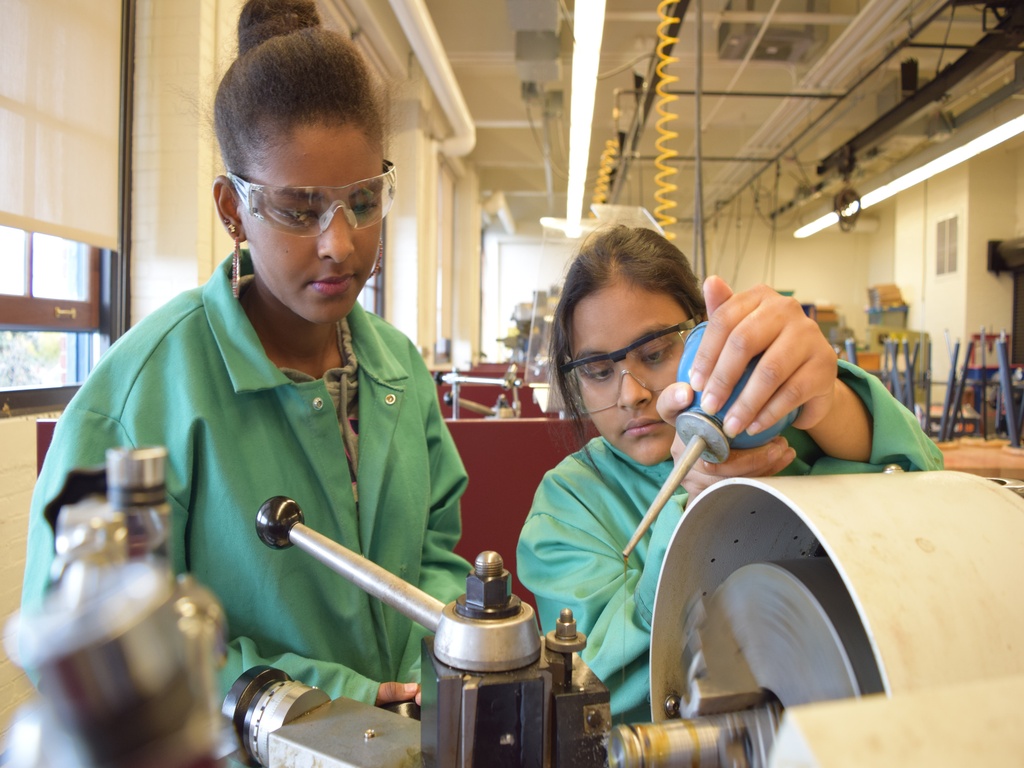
[(731, 427), (754, 428), (709, 404), (696, 379), (411, 688)]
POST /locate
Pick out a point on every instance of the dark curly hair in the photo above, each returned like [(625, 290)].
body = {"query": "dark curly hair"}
[(645, 260), (291, 72)]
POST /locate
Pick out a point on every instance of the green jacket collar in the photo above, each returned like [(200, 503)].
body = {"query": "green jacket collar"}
[(248, 365)]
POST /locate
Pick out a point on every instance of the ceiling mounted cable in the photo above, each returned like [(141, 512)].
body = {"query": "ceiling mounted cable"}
[(666, 170), (604, 175), (875, 28)]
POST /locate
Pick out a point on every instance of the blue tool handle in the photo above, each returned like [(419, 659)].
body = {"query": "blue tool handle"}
[(743, 440)]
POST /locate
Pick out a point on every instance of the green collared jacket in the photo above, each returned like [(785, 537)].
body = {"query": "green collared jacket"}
[(193, 377), (570, 549)]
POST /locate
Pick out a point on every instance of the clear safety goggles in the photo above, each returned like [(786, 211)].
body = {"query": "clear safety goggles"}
[(308, 211), (651, 360)]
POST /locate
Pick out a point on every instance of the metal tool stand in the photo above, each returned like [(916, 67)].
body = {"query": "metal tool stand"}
[(955, 412), (945, 428), (984, 386), (1006, 387), (909, 366), (851, 351)]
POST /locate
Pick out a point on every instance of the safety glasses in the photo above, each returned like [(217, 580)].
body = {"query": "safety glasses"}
[(651, 360), (308, 211)]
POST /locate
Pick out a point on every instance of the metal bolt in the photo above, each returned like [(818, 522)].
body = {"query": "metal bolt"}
[(488, 565), (671, 705), (565, 629), (368, 734)]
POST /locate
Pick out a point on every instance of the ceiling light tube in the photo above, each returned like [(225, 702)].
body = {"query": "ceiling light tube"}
[(942, 163), (588, 29)]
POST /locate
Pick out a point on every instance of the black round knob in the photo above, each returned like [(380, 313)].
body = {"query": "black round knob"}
[(275, 520)]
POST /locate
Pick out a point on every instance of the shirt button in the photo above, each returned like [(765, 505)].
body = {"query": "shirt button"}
[(318, 403), (390, 399)]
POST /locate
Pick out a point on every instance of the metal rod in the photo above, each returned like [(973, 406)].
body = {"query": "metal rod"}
[(762, 94), (453, 379), (851, 351), (1006, 385), (694, 449), (377, 582), (954, 355), (959, 394), (984, 386), (908, 378)]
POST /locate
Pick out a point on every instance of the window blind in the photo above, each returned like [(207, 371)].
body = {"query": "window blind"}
[(59, 90)]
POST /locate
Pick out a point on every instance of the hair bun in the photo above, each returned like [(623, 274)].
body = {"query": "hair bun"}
[(260, 20)]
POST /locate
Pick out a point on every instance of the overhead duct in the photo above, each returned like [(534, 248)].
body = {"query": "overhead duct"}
[(787, 43)]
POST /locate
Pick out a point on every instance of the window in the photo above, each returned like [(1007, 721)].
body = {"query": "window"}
[(63, 290), (49, 309)]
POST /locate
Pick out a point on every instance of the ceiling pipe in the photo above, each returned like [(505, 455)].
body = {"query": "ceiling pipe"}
[(838, 63), (419, 29), (991, 48)]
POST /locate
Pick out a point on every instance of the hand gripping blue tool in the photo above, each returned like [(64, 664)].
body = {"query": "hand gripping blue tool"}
[(703, 434)]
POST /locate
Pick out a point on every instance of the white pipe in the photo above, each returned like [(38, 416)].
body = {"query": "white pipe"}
[(419, 28)]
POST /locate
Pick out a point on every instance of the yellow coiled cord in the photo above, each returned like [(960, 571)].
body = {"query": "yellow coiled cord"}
[(663, 194), (611, 150)]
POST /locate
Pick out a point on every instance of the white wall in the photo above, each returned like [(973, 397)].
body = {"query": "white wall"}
[(514, 267)]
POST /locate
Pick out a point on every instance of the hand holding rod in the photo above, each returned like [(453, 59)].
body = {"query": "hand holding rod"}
[(279, 524), (702, 434)]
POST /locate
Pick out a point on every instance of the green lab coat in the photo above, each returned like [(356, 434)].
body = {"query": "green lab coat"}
[(570, 549), (193, 377)]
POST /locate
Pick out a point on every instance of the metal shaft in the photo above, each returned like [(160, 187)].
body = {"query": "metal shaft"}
[(694, 448), (411, 602)]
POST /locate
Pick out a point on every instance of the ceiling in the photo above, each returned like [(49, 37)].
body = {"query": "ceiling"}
[(786, 84)]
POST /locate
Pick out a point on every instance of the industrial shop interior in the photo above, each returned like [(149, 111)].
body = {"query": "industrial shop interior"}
[(657, 401)]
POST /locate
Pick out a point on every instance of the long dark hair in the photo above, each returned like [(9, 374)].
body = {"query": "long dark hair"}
[(291, 72), (639, 256)]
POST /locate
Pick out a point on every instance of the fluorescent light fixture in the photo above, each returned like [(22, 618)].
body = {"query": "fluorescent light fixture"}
[(588, 28), (942, 163), (570, 228)]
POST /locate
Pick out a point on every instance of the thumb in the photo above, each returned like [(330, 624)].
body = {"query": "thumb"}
[(389, 693), (716, 293)]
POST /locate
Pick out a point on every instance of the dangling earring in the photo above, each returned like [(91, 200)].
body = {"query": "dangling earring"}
[(235, 258), (380, 258)]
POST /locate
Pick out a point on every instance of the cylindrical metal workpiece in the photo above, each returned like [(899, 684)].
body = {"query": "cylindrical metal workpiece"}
[(732, 739)]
